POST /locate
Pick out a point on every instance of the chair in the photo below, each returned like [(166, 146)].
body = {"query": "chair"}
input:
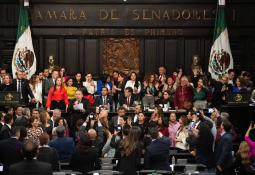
[(63, 165), (154, 172), (105, 172), (182, 161), (67, 172)]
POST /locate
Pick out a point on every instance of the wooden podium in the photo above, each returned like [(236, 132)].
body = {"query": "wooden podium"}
[(9, 98)]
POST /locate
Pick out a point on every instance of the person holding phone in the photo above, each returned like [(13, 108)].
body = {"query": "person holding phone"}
[(250, 139)]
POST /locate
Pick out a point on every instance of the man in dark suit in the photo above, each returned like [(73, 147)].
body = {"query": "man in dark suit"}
[(224, 158), (127, 99), (63, 145), (19, 118), (48, 154), (2, 74), (157, 153), (115, 119), (55, 116), (30, 166), (48, 83), (23, 88), (10, 149), (220, 91), (5, 132), (104, 99)]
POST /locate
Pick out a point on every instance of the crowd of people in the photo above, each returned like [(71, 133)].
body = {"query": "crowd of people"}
[(64, 118)]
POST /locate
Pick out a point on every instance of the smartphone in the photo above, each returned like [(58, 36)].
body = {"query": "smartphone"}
[(210, 110)]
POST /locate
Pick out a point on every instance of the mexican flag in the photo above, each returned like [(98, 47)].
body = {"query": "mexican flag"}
[(221, 59), (24, 56)]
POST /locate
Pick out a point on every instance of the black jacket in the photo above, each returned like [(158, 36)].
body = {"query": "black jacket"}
[(7, 88), (85, 161), (5, 132), (10, 152), (99, 101), (123, 100), (129, 164), (223, 151), (30, 167), (49, 155), (157, 155), (25, 90)]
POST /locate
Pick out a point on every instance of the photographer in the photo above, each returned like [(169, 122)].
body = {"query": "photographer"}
[(96, 129), (120, 132)]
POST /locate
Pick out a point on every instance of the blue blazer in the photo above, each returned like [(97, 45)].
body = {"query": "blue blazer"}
[(157, 155), (224, 156), (64, 146)]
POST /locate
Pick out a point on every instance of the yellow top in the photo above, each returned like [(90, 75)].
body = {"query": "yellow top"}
[(70, 92)]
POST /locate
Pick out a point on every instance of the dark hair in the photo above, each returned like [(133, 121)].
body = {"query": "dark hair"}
[(23, 133), (125, 130), (44, 138), (121, 108), (103, 78), (185, 120), (84, 143), (29, 149), (131, 142), (85, 91), (205, 138), (153, 131), (226, 125), (231, 70), (104, 88), (8, 118), (31, 120), (60, 131), (64, 121), (129, 89), (136, 80), (15, 130), (78, 73)]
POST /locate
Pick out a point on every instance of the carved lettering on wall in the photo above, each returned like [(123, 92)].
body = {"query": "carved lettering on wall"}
[(121, 54)]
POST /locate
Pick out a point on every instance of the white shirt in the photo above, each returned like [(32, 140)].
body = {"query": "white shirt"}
[(135, 118), (91, 89), (131, 84), (37, 92), (9, 126)]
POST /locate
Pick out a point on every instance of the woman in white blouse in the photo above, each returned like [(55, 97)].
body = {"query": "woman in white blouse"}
[(36, 88), (182, 134), (134, 83), (90, 84)]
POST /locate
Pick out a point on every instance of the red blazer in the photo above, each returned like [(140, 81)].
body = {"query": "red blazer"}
[(57, 95)]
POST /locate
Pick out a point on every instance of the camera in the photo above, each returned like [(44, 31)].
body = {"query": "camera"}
[(118, 128), (92, 116)]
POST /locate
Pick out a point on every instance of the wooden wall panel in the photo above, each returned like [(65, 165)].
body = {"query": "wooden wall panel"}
[(171, 54), (92, 55), (71, 60), (150, 55)]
